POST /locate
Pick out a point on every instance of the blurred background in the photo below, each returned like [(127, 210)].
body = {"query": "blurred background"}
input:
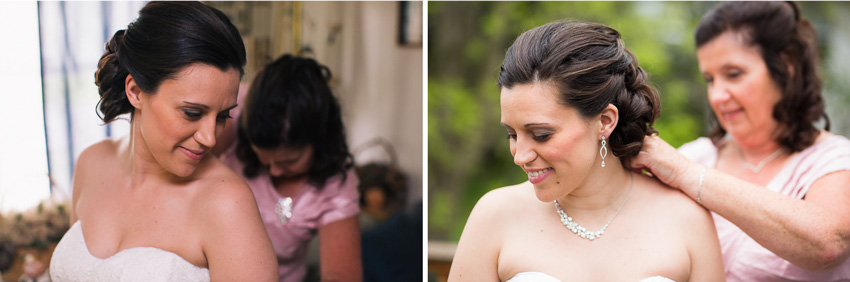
[(49, 56), (467, 151)]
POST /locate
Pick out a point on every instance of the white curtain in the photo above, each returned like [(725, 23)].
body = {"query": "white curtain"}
[(73, 35)]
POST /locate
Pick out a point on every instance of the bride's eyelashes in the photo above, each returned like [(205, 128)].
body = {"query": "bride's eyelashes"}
[(539, 138)]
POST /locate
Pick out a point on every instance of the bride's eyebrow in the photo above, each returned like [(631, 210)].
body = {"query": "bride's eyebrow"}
[(527, 125), (197, 105), (230, 108), (208, 107)]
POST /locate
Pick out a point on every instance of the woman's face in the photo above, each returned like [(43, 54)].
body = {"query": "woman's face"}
[(550, 141), (179, 123), (740, 89), (286, 162)]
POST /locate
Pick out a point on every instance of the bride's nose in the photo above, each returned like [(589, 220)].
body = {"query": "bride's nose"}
[(523, 153)]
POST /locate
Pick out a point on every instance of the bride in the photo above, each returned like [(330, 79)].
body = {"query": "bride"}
[(154, 205), (576, 106)]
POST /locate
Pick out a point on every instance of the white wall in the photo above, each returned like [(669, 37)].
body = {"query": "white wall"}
[(377, 80)]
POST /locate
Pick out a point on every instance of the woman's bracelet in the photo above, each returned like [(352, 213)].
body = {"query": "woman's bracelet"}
[(701, 181)]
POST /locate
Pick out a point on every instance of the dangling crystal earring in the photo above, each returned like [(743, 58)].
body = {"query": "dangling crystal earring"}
[(603, 152)]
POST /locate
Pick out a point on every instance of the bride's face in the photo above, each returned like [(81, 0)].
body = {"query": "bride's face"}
[(180, 122), (551, 142)]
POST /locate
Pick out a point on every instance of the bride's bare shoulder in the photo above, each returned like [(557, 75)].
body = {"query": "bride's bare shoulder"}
[(503, 203), (678, 218), (103, 150), (672, 204), (214, 173), (225, 193), (99, 156), (94, 163), (503, 197)]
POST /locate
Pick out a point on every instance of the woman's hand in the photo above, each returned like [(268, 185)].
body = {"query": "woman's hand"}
[(662, 161)]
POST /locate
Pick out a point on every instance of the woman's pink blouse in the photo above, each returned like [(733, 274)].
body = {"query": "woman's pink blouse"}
[(744, 258)]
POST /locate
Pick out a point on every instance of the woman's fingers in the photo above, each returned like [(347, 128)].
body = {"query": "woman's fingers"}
[(658, 158)]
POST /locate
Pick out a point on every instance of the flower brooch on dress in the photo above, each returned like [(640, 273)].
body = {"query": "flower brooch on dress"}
[(283, 209)]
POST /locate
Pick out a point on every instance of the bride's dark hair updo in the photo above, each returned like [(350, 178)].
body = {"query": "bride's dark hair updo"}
[(166, 37), (591, 68)]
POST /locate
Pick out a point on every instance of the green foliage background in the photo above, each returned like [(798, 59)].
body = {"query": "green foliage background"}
[(467, 151)]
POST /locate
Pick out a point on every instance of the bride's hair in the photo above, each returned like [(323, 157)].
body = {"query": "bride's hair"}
[(166, 37), (591, 68)]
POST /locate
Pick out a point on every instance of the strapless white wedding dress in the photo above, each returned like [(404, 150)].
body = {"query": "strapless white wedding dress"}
[(543, 277), (72, 261)]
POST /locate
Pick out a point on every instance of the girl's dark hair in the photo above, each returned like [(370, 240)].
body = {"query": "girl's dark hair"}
[(165, 38), (591, 68), (784, 39), (290, 104)]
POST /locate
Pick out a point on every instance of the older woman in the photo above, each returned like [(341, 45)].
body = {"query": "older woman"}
[(778, 186), (576, 106)]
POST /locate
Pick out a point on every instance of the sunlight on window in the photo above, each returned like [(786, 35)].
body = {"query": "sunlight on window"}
[(23, 153)]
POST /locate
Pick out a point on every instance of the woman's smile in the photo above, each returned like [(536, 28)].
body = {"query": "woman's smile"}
[(728, 115), (194, 155), (538, 176)]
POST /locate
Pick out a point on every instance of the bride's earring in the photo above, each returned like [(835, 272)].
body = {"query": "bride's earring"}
[(603, 152)]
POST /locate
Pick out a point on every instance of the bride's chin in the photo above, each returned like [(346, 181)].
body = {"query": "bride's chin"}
[(543, 194), (184, 170)]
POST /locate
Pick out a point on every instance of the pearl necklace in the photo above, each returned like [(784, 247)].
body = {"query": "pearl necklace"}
[(765, 161), (580, 230)]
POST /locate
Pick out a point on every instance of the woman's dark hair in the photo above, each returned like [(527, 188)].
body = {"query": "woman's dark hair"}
[(784, 39), (591, 68), (290, 104), (166, 37)]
